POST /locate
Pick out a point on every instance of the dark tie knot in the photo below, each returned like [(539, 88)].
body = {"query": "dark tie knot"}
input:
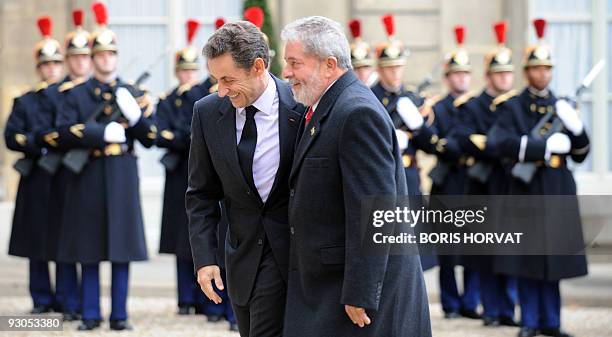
[(251, 111)]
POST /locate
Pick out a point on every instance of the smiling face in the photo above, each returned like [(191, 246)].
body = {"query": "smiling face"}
[(308, 76), (242, 86)]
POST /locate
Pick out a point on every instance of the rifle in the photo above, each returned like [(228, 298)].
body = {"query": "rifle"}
[(76, 159), (24, 166), (526, 170), (426, 81), (480, 171)]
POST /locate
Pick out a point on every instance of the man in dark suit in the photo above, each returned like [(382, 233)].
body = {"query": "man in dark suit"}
[(347, 151), (241, 152)]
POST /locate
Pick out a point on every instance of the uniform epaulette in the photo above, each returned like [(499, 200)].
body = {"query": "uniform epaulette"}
[(70, 84), (504, 97), (214, 88), (183, 88), (40, 86), (427, 110), (162, 96), (461, 100)]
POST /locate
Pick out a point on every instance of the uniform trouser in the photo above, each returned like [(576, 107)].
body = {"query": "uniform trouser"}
[(451, 300), (498, 294), (91, 291), (540, 303), (40, 283), (67, 287), (264, 314), (188, 290)]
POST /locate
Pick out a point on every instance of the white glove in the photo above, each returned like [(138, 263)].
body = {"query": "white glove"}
[(402, 139), (128, 105), (569, 117), (557, 143), (409, 113), (114, 133)]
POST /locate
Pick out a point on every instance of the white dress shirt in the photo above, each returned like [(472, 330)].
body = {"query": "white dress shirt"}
[(267, 150)]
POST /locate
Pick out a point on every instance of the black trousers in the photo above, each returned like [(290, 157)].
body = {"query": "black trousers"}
[(264, 314)]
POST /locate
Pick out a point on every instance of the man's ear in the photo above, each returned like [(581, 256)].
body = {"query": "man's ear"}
[(259, 66), (331, 63)]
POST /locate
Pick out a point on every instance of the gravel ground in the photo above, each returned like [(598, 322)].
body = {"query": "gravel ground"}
[(156, 317)]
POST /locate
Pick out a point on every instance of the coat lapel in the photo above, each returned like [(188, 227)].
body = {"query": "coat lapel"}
[(288, 123), (311, 131), (226, 129)]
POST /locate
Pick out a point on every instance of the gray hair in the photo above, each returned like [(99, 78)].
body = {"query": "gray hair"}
[(242, 40), (320, 37)]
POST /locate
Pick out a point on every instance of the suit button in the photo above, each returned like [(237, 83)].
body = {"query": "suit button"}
[(292, 192), (259, 242), (247, 192), (292, 230)]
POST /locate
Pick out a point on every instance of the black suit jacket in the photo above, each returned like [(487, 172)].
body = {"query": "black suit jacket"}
[(346, 153), (214, 174)]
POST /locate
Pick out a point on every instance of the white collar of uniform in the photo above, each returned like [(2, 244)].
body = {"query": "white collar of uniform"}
[(266, 100)]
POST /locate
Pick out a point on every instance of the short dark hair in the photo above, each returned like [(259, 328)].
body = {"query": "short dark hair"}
[(242, 40)]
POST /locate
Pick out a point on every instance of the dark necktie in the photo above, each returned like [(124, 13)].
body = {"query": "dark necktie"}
[(246, 147)]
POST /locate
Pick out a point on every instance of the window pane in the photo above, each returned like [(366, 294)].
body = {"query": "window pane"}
[(587, 117), (570, 67), (609, 62), (139, 8), (563, 7), (211, 9)]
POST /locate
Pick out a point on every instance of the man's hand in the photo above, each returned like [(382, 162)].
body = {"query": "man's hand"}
[(205, 277), (357, 315)]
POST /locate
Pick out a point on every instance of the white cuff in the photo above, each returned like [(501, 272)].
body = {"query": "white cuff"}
[(522, 149)]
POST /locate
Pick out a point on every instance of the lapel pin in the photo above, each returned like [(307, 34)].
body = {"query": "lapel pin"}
[(312, 131), (291, 120)]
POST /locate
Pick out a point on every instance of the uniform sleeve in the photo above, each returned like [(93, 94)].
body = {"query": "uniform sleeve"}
[(74, 132), (365, 134), (510, 141), (430, 139), (204, 192), (144, 130), (18, 135), (169, 135), (580, 146)]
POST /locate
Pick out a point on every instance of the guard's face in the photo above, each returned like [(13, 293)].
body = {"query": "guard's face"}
[(187, 76), (391, 77), (242, 86), (459, 81), (501, 81), (539, 76), (307, 74), (50, 71), (79, 65), (105, 62), (364, 73)]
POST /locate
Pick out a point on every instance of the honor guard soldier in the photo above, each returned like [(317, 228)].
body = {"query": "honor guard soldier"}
[(173, 118), (391, 59), (174, 135), (449, 176), (78, 65), (31, 227), (487, 175), (361, 55), (548, 148), (102, 219)]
